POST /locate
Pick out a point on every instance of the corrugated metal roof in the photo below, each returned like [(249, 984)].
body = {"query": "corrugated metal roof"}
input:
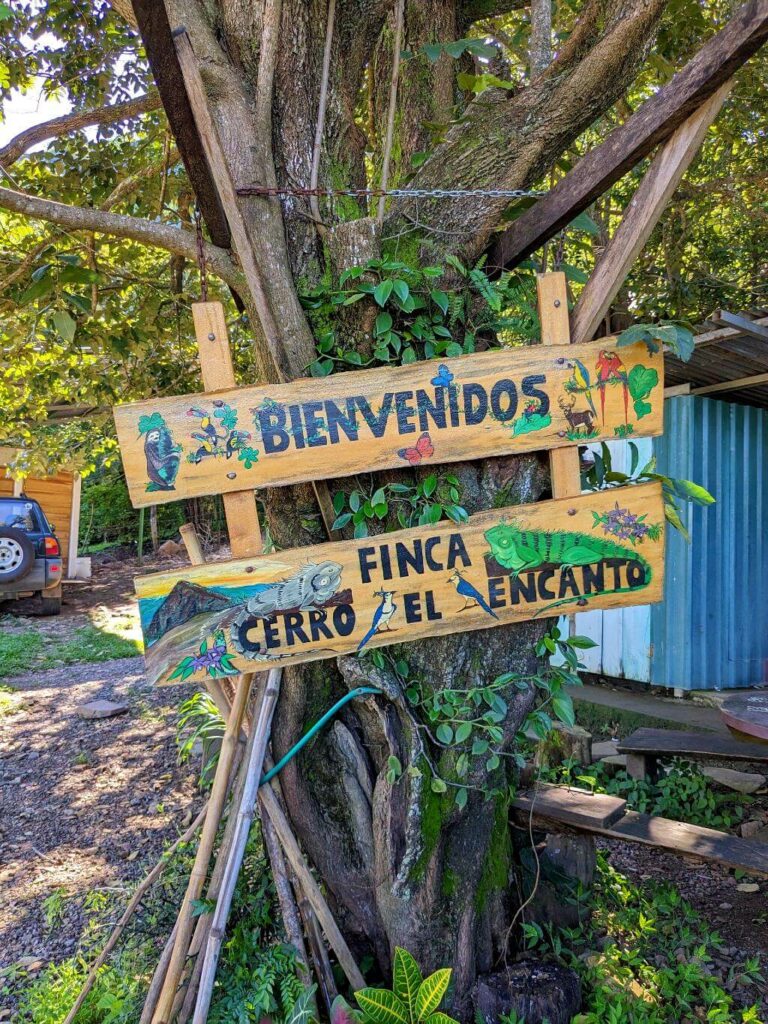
[(711, 631), (723, 354)]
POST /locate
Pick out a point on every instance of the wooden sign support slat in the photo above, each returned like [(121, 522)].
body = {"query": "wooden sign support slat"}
[(217, 163), (218, 373), (555, 330)]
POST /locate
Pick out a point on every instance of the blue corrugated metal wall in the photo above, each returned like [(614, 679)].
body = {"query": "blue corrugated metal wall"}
[(711, 631)]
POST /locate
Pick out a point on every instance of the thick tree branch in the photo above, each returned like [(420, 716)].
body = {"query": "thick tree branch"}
[(504, 143), (475, 10), (57, 126), (152, 233)]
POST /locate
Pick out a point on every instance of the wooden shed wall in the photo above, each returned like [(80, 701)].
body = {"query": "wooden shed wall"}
[(55, 493)]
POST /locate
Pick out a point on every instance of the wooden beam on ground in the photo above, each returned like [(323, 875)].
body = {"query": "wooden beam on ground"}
[(564, 466), (699, 745), (754, 329), (572, 809), (732, 385), (152, 21), (641, 216), (722, 337), (651, 124)]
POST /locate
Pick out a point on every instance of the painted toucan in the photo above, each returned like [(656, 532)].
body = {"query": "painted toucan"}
[(611, 368)]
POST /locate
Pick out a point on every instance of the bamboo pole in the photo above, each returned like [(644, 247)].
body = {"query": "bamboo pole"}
[(257, 742), (204, 850), (133, 903), (153, 992), (271, 806)]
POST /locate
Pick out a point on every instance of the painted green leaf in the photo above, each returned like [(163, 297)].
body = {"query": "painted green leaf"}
[(382, 1007), (406, 978), (431, 992), (642, 380)]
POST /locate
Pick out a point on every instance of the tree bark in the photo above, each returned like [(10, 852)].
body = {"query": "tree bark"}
[(403, 865)]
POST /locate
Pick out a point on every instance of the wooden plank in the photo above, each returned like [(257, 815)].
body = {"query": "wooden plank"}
[(641, 216), (677, 391), (425, 413), (674, 743), (742, 324), (552, 293), (732, 385), (215, 359), (651, 124), (502, 566), (575, 807), (693, 841), (725, 335), (152, 21)]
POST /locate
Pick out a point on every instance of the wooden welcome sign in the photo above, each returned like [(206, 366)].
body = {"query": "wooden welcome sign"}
[(471, 407), (599, 550)]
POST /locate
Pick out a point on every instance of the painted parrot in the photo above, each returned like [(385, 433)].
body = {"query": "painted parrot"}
[(583, 382), (610, 368)]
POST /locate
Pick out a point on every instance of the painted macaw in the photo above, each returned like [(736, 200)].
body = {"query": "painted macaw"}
[(583, 382), (610, 368), (469, 593)]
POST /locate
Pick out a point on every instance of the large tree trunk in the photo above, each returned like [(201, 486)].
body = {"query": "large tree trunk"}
[(404, 866)]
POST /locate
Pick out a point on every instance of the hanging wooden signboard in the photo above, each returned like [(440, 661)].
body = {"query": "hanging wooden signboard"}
[(425, 413), (599, 550)]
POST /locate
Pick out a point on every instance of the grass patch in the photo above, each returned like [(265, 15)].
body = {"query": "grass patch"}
[(90, 643), (19, 652), (23, 652), (645, 956)]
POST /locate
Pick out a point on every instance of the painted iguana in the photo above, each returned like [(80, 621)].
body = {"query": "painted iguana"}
[(521, 550)]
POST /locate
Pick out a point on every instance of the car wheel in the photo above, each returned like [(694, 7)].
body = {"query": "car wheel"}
[(50, 602), (17, 555)]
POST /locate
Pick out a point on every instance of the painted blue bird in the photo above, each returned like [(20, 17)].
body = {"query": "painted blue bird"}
[(469, 593), (381, 617), (444, 377)]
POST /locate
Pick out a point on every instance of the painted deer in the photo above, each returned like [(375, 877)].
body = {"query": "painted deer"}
[(576, 419)]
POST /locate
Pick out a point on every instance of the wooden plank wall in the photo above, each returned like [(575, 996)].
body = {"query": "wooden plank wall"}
[(55, 494)]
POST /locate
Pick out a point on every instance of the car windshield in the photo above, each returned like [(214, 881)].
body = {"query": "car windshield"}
[(20, 514)]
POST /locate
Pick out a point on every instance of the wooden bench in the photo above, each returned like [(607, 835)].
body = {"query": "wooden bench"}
[(560, 809), (645, 747)]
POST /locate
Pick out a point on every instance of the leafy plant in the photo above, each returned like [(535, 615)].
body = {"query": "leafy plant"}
[(602, 476), (200, 721), (677, 337), (412, 999), (434, 498), (682, 792), (645, 956), (420, 316)]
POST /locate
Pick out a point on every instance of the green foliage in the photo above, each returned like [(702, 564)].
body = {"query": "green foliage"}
[(32, 649), (107, 516), (421, 317), (645, 957), (457, 48), (682, 793), (677, 338), (427, 502), (602, 476), (412, 1000), (200, 721), (467, 723)]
